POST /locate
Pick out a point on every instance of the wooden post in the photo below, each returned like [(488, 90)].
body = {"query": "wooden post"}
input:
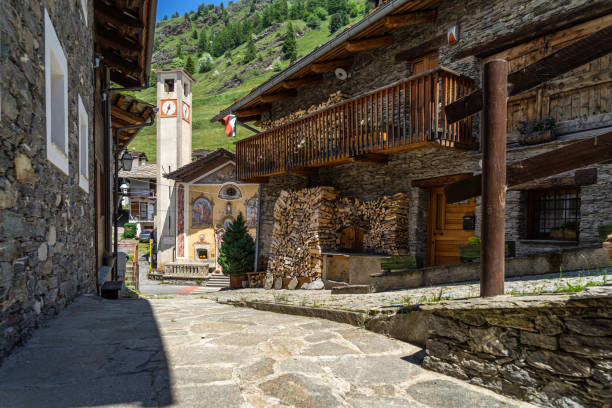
[(495, 97)]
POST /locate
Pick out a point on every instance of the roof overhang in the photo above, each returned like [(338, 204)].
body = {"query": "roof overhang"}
[(128, 111), (124, 31), (203, 166), (373, 31)]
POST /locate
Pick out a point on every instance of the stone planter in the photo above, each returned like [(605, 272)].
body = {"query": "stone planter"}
[(236, 281), (532, 138)]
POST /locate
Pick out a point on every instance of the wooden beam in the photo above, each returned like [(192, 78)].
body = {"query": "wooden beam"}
[(422, 49), (373, 158), (559, 62), (306, 171), (410, 19), (289, 93), (539, 28), (253, 111), (369, 43), (439, 181), (300, 82), (126, 116), (584, 153), (249, 118), (583, 177), (327, 66), (106, 14), (120, 100), (120, 64), (108, 39)]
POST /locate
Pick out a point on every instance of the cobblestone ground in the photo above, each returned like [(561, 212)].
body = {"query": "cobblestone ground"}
[(192, 352), (389, 302)]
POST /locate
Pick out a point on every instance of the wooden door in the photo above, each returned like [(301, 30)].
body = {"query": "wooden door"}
[(445, 227), (422, 101), (579, 94)]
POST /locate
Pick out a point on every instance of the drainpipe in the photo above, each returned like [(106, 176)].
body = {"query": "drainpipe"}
[(256, 269)]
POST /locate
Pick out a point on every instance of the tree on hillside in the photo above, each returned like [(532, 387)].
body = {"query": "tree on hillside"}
[(237, 252), (203, 44), (337, 6), (313, 22), (194, 34), (296, 12), (177, 63), (179, 51), (337, 21), (205, 63), (290, 44), (175, 14), (251, 51), (190, 65), (165, 17)]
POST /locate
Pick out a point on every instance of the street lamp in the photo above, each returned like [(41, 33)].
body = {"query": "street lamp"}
[(126, 161)]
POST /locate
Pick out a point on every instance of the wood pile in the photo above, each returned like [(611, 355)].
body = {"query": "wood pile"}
[(334, 98), (256, 279), (309, 221)]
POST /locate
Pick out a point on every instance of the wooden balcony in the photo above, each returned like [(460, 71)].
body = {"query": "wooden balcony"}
[(402, 116)]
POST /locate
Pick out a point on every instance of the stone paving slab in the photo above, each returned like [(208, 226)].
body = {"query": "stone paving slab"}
[(390, 302), (192, 352)]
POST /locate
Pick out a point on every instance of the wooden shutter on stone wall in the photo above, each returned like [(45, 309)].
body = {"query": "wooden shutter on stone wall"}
[(583, 92)]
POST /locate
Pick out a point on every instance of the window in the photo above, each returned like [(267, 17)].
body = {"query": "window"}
[(186, 89), (56, 98), (169, 85), (230, 192), (554, 214), (83, 147)]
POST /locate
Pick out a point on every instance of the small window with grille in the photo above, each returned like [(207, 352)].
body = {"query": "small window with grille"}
[(554, 214)]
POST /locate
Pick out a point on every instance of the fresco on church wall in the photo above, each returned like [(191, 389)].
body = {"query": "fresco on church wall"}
[(227, 173), (251, 213), (201, 213)]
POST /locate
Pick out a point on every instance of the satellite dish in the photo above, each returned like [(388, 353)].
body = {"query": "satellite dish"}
[(341, 74)]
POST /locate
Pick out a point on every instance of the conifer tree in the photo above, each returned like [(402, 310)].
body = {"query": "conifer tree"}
[(251, 51), (194, 35), (190, 65), (290, 44), (237, 252), (203, 41), (179, 51)]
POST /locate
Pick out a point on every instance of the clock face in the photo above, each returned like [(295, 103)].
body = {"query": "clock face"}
[(186, 112), (168, 107)]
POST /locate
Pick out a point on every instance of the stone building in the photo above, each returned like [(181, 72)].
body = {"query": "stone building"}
[(364, 113), (139, 187), (56, 159)]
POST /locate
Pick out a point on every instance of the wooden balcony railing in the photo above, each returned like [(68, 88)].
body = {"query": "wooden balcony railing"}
[(399, 117)]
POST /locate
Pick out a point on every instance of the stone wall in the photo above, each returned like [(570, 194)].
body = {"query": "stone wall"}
[(480, 21), (46, 220), (552, 350)]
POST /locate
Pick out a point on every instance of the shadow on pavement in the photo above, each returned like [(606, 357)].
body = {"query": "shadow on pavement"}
[(96, 352)]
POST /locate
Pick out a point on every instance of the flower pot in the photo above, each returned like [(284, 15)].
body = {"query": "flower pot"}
[(608, 247), (532, 138), (236, 281)]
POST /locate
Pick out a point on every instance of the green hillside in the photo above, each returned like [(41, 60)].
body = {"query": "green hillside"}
[(229, 72)]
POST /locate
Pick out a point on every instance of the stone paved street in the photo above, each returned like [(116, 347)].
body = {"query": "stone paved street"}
[(192, 352), (391, 301)]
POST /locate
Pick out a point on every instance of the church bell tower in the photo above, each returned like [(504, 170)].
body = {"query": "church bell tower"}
[(174, 96)]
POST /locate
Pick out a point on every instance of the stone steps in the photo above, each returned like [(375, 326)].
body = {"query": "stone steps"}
[(218, 281)]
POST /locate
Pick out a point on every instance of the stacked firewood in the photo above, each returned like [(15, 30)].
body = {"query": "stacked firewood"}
[(257, 280), (334, 98), (308, 221)]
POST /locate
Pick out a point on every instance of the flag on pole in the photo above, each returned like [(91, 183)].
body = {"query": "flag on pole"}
[(230, 125)]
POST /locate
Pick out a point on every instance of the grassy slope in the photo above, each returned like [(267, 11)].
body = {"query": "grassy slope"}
[(207, 102)]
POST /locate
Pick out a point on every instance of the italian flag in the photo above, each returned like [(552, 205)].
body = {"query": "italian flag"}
[(230, 125)]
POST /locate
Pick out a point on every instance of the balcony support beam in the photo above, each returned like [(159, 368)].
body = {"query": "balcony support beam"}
[(300, 82), (372, 158), (328, 66), (277, 96)]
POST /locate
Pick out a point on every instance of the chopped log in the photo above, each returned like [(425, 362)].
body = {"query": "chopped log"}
[(574, 156), (559, 62)]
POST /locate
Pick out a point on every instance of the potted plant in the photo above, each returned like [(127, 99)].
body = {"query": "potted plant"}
[(237, 252), (537, 131)]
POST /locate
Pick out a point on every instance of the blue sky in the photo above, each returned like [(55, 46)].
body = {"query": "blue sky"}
[(170, 6)]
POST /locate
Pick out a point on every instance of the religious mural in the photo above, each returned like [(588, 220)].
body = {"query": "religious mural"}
[(201, 212), (227, 173)]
